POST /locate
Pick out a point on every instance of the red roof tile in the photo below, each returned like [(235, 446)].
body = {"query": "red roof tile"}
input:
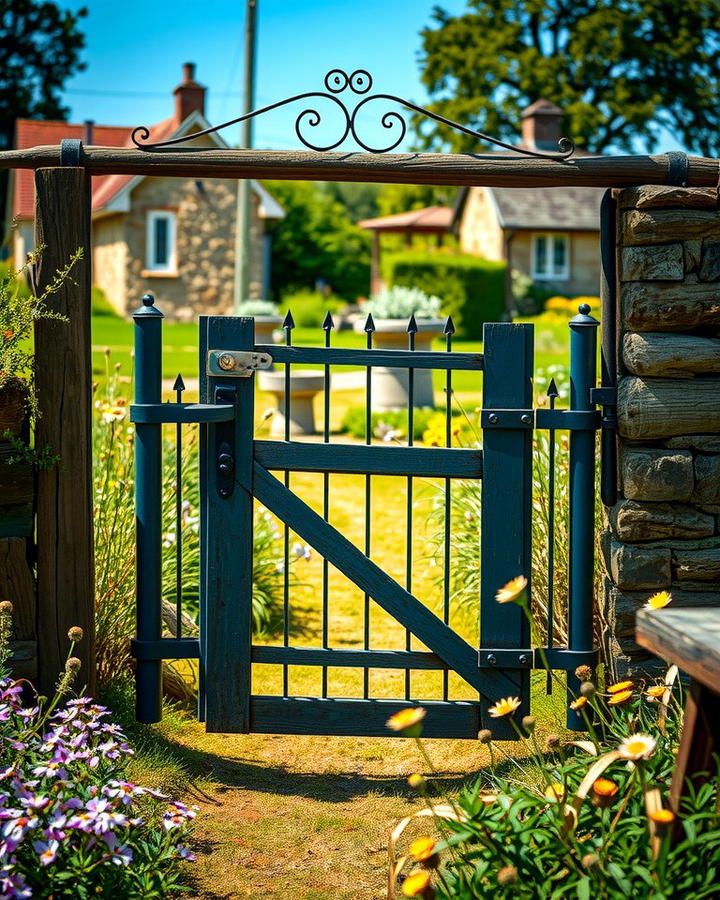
[(32, 133), (430, 218)]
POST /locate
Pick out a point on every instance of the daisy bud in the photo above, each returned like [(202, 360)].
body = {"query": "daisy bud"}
[(73, 665), (583, 673), (76, 634), (6, 608), (485, 736), (528, 723), (587, 689), (507, 875), (553, 742)]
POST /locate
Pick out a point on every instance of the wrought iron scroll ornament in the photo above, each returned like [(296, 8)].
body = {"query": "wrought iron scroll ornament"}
[(359, 83)]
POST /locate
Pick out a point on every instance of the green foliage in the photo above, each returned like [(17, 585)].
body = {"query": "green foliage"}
[(257, 308), (100, 305), (389, 425), (609, 66), (114, 522), (472, 289), (73, 825), (579, 819), (399, 302), (359, 199), (309, 307), (397, 198), (317, 241)]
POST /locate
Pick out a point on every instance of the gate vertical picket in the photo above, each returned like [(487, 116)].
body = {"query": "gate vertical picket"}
[(506, 520), (228, 530)]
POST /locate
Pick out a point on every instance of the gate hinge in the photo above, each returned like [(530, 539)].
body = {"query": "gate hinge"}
[(532, 658), (236, 363), (603, 396), (507, 418)]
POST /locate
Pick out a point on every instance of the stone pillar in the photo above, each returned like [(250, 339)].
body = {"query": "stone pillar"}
[(664, 532)]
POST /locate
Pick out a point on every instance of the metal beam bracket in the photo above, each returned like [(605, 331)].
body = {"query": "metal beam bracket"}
[(532, 658), (236, 363), (603, 396), (507, 418), (568, 419)]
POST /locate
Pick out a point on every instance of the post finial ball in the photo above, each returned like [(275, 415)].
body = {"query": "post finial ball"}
[(149, 300), (584, 309)]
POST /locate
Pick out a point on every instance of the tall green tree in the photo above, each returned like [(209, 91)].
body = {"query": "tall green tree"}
[(621, 71), (40, 46)]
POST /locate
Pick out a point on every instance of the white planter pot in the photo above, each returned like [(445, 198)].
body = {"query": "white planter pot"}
[(390, 389), (264, 327)]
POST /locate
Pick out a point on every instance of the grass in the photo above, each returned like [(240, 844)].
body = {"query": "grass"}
[(309, 817)]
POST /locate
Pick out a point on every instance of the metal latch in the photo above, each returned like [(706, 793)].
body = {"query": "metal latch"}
[(236, 363)]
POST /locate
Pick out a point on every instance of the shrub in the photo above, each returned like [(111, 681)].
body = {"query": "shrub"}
[(257, 308), (72, 825), (100, 305), (472, 290), (309, 308), (399, 302), (581, 818)]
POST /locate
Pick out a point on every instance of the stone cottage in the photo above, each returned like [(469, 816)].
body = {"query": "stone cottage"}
[(549, 234), (172, 236)]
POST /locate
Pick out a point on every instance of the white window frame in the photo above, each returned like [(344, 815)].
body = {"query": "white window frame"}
[(551, 273), (151, 264)]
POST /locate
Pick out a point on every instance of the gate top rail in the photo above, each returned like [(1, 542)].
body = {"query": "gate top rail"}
[(491, 170)]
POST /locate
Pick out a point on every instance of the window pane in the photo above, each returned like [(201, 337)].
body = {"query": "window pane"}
[(161, 241), (559, 254), (541, 254)]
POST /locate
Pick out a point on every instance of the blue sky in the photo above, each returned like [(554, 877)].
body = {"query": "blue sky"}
[(135, 51)]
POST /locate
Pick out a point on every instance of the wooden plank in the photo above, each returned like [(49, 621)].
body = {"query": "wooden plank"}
[(428, 462), (363, 659), (349, 356), (690, 638), (369, 577), (363, 718), (699, 742), (229, 537), (65, 567), (16, 479), (492, 170), (506, 523), (17, 585)]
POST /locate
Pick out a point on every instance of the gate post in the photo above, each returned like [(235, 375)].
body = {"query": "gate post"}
[(506, 516), (583, 368), (148, 508)]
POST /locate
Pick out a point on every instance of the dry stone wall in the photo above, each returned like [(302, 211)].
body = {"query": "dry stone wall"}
[(664, 532)]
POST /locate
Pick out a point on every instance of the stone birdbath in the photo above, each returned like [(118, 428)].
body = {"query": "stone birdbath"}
[(304, 385)]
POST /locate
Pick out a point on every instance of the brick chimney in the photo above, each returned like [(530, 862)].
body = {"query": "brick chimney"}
[(189, 95), (542, 125)]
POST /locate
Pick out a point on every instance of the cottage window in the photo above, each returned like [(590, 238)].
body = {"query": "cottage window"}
[(550, 256), (161, 241)]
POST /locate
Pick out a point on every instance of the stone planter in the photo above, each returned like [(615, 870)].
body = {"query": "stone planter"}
[(264, 328), (390, 385), (304, 384), (13, 406)]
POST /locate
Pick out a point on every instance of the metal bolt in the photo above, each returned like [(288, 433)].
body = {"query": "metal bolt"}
[(226, 362), (492, 659), (493, 419), (522, 659), (525, 419), (224, 492)]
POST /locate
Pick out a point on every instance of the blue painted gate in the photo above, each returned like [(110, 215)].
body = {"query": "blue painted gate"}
[(238, 470)]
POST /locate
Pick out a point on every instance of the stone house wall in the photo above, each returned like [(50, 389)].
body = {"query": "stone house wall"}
[(664, 532), (110, 259)]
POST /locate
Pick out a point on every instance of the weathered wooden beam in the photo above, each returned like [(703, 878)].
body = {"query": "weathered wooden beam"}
[(64, 386), (654, 408), (493, 170)]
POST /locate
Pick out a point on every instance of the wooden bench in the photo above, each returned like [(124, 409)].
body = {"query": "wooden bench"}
[(690, 638)]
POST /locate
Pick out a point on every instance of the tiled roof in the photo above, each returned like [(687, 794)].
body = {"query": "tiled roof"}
[(552, 208), (430, 218)]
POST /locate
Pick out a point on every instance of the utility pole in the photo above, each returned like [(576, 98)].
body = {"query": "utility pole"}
[(244, 194)]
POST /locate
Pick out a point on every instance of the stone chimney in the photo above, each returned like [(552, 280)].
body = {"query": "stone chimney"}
[(189, 95), (542, 125)]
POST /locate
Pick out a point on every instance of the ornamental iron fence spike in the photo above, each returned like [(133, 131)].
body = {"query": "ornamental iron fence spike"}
[(288, 321), (449, 326), (359, 83), (552, 390), (328, 322), (412, 326), (179, 385), (369, 324)]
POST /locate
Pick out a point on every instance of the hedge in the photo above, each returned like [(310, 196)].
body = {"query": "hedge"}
[(472, 289)]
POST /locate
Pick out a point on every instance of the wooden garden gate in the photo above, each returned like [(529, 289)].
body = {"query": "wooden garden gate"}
[(236, 470)]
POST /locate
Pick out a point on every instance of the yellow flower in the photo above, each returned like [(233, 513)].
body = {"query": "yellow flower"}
[(637, 746), (659, 600), (555, 792), (504, 707), (657, 690), (417, 883), (114, 414), (423, 848), (604, 791), (619, 686), (417, 781), (407, 722), (662, 816), (513, 591), (8, 335), (620, 698), (579, 703)]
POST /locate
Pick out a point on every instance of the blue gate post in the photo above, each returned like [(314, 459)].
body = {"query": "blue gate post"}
[(148, 508), (583, 370)]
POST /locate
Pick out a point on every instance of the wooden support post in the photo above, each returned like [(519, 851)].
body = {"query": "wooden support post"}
[(65, 576)]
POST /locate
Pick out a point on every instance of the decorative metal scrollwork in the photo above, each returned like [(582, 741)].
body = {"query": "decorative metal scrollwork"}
[(359, 83)]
